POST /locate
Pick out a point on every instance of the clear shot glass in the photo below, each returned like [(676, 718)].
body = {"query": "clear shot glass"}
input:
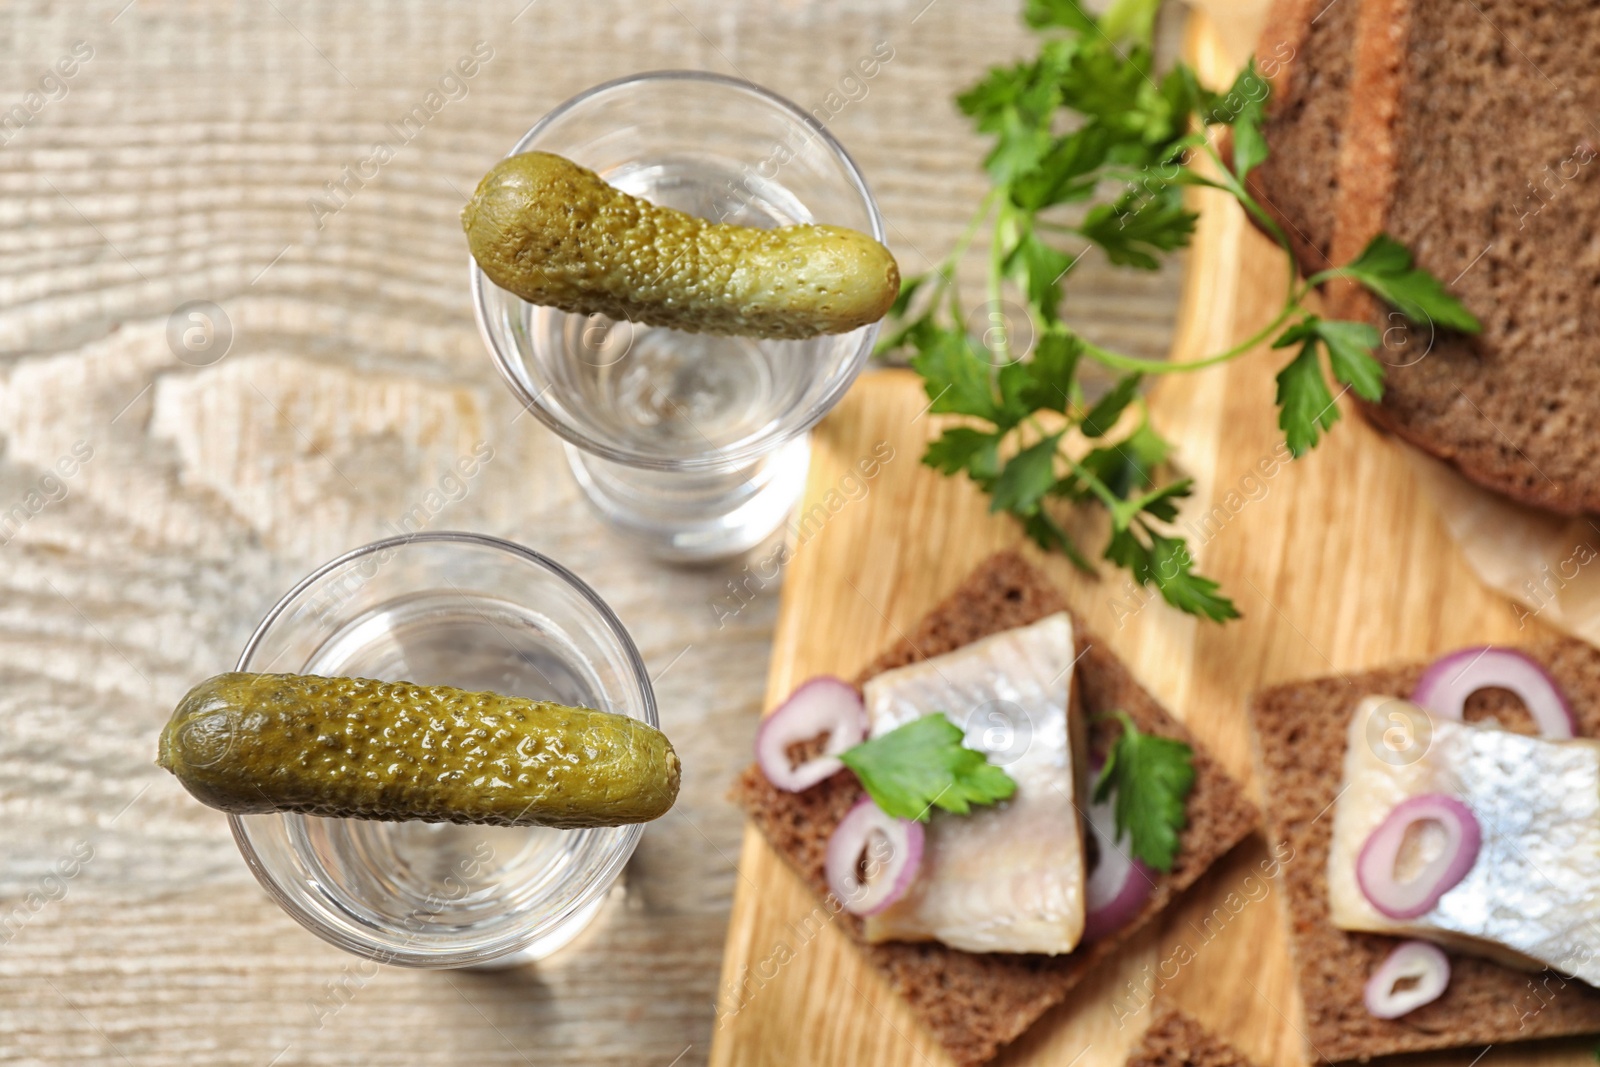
[(692, 446), (481, 614)]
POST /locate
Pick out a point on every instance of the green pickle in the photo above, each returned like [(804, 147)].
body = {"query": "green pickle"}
[(354, 748), (558, 234)]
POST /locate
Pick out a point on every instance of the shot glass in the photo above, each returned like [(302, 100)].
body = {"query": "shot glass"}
[(692, 446), (481, 614)]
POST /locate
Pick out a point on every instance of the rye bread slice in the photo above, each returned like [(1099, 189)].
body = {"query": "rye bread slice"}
[(1308, 46), (1300, 731), (1175, 1040), (1467, 137), (974, 1003)]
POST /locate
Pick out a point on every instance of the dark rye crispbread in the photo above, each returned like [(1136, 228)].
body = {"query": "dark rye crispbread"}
[(1300, 731), (1459, 142), (975, 1003), (1175, 1040), (1307, 46)]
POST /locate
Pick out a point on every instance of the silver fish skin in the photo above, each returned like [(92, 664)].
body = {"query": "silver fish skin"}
[(1007, 878), (1532, 898)]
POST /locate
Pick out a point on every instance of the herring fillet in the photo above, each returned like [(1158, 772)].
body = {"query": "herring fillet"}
[(1532, 899), (1007, 878)]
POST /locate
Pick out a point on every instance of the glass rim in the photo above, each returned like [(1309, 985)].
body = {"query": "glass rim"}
[(721, 458), (617, 856)]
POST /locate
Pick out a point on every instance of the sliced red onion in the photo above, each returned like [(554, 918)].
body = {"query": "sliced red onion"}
[(1119, 884), (821, 706), (1375, 864), (1448, 682), (889, 849), (1422, 967)]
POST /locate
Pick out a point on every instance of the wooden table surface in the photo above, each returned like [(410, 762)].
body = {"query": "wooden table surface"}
[(156, 497)]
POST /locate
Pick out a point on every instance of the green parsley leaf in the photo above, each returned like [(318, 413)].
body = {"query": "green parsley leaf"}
[(1243, 106), (1148, 778), (1026, 478), (1104, 415), (1037, 269), (962, 448), (1128, 465), (1052, 372), (1016, 382), (1161, 501), (1134, 229), (1051, 536), (955, 376), (1062, 14), (923, 765), (1304, 402), (1000, 89), (1130, 20), (1173, 568), (1167, 564), (1186, 96), (1021, 146), (1113, 87), (1065, 173), (1384, 267), (1349, 346)]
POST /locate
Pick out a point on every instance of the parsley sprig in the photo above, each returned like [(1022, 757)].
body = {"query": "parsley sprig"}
[(923, 765), (1148, 778), (1089, 122)]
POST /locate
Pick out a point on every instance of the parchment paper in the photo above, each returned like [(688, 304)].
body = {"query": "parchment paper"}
[(1548, 564)]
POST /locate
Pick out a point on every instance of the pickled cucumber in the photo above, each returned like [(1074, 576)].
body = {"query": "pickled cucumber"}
[(557, 234), (359, 749)]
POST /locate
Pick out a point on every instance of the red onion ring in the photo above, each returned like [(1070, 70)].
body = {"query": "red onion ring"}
[(820, 706), (890, 849), (1448, 682), (1119, 885), (1426, 966), (1375, 864)]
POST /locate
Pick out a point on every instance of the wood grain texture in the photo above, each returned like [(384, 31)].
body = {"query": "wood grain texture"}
[(177, 163), (1338, 561)]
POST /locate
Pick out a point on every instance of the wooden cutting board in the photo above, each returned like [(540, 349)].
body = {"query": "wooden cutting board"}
[(1337, 562)]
